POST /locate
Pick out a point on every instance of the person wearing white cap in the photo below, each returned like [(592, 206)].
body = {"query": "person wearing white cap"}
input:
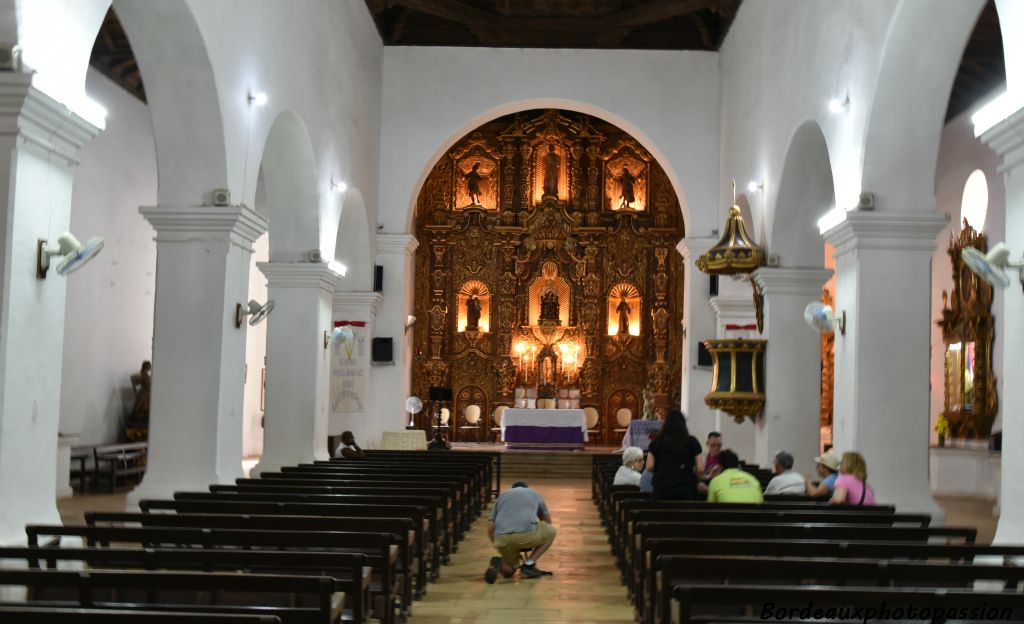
[(827, 467)]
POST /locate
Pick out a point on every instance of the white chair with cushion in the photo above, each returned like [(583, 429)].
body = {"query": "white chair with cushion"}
[(472, 415), (622, 419), (592, 416), (496, 429)]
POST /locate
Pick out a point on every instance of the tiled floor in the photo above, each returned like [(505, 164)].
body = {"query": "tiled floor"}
[(585, 587)]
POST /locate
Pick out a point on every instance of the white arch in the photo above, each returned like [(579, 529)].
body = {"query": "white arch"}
[(806, 192), (540, 103), (353, 243), (288, 168), (923, 48)]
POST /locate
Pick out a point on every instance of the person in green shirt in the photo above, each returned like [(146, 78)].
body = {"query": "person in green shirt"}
[(733, 485)]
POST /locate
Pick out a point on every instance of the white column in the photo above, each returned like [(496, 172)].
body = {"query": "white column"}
[(791, 418), (883, 284), (39, 142), (734, 305), (298, 364), (698, 325), (202, 274), (357, 306), (390, 384), (1007, 139)]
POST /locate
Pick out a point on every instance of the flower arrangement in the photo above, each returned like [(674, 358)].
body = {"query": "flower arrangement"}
[(942, 428)]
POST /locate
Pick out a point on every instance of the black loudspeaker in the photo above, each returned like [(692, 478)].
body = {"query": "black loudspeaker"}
[(703, 356), (440, 394), (381, 350), (713, 291), (378, 278)]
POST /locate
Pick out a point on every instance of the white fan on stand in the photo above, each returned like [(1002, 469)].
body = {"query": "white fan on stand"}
[(413, 405)]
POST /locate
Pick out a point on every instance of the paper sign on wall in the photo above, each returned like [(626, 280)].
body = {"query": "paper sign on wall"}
[(349, 370)]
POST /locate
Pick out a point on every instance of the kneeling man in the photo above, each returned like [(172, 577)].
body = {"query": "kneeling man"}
[(519, 521)]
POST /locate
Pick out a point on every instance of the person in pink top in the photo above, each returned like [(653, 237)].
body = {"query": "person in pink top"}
[(852, 485)]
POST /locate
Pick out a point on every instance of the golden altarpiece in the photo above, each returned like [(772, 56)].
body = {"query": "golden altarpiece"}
[(547, 270), (968, 331)]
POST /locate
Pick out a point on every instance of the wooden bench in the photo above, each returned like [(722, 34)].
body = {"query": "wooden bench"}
[(703, 603), (292, 599), (119, 460), (401, 530), (350, 572), (794, 571), (423, 525), (79, 469), (659, 548), (380, 551), (477, 472), (36, 614), (489, 461)]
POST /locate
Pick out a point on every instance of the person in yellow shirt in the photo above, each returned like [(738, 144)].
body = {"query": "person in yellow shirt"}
[(733, 485)]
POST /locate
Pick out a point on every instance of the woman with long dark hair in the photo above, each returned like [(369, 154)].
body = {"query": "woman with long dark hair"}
[(675, 459)]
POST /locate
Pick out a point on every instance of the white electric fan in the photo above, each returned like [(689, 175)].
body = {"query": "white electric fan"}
[(341, 335), (75, 254), (254, 311), (992, 266), (413, 405), (820, 317)]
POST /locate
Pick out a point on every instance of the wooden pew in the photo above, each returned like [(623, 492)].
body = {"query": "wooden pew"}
[(35, 614), (119, 460), (437, 501), (658, 548), (292, 599), (439, 519), (380, 551), (490, 462), (476, 471), (351, 574), (685, 569), (703, 603), (424, 526)]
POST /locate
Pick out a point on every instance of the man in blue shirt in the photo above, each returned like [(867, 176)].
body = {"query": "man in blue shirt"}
[(519, 521)]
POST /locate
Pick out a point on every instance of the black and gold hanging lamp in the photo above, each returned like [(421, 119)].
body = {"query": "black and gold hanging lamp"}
[(736, 252)]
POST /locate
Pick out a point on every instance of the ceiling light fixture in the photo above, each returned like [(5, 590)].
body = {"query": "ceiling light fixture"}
[(258, 98), (338, 187), (835, 105)]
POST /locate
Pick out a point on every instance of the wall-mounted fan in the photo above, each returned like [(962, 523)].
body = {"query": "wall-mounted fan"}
[(821, 318), (75, 253), (992, 266), (254, 311), (342, 335)]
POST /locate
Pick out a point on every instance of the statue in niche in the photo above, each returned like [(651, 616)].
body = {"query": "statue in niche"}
[(552, 163), (626, 181), (548, 375), (472, 313), (549, 307), (473, 179), (623, 309)]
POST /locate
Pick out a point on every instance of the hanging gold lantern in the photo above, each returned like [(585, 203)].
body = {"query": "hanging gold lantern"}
[(736, 252), (738, 380)]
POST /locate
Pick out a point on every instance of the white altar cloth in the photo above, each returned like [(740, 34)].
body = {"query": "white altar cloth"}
[(516, 417)]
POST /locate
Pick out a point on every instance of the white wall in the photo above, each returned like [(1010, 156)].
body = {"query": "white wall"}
[(108, 328), (255, 355), (433, 96), (960, 153)]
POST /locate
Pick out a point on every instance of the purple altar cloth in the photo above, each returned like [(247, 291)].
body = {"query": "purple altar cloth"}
[(522, 436)]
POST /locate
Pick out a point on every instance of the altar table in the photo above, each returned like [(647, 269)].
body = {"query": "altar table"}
[(640, 433), (544, 428)]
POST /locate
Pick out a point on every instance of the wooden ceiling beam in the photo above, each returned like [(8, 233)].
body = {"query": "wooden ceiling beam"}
[(656, 11)]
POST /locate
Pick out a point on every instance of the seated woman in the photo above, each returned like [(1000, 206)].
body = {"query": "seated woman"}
[(675, 459), (852, 485), (632, 464), (827, 467)]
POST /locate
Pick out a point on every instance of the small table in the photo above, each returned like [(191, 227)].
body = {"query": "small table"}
[(544, 428), (640, 432), (411, 440)]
